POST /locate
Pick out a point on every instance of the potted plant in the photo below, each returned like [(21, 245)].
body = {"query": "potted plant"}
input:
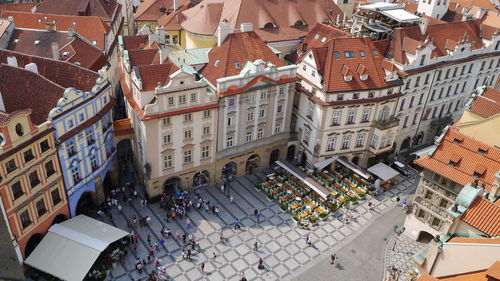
[(113, 262), (313, 219), (296, 217), (258, 186), (270, 196)]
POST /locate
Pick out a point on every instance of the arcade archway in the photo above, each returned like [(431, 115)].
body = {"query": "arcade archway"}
[(32, 243), (425, 237), (290, 154), (172, 185), (275, 154), (201, 178), (59, 218), (86, 204), (252, 163), (229, 170)]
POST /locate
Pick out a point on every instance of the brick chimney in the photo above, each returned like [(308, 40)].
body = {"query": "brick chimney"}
[(495, 190)]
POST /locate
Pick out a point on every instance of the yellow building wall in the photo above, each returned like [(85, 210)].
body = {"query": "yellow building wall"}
[(193, 41), (152, 24)]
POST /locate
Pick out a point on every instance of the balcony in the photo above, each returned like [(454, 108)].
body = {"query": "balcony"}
[(436, 187), (387, 124), (428, 205), (441, 121)]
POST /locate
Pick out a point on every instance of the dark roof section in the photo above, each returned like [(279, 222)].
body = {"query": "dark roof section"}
[(238, 48), (135, 42), (143, 57), (62, 73), (24, 89), (100, 8)]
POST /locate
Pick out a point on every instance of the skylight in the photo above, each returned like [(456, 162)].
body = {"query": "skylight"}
[(323, 40), (362, 54), (316, 36), (237, 65), (337, 55), (37, 42), (349, 54), (375, 52)]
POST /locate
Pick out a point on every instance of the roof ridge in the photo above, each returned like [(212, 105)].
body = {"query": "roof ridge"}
[(34, 73)]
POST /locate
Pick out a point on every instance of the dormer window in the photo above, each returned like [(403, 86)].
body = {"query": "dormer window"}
[(316, 37), (457, 141), (325, 21), (452, 164), (481, 151), (362, 54), (323, 40), (217, 62), (347, 78), (375, 52), (237, 65), (363, 77), (299, 23), (269, 25), (349, 54), (17, 40), (337, 55), (37, 42)]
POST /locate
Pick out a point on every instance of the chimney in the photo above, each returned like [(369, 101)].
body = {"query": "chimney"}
[(160, 32), (495, 189), (55, 50), (71, 33), (31, 67), (176, 5), (246, 27), (422, 25), (12, 61), (50, 25), (10, 18), (467, 17), (222, 32), (481, 12)]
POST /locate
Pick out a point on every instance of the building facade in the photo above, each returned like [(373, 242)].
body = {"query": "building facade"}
[(346, 102), (86, 146), (32, 187)]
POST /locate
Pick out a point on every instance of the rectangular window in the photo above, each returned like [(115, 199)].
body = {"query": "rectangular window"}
[(280, 108), (417, 82), (40, 207), (34, 180), (193, 97), (231, 102), (49, 169), (310, 110), (262, 113), (414, 119), (170, 101), (470, 67), (28, 155), (365, 116), (355, 96), (75, 174), (457, 105), (10, 165), (263, 95), (433, 95), (420, 99), (373, 143), (405, 123), (482, 65), (330, 145), (90, 137), (206, 130), (360, 139), (167, 161), (306, 136), (349, 54), (188, 117), (25, 218), (441, 93), (277, 128), (71, 149), (70, 124), (282, 91), (229, 121), (411, 102), (260, 133), (362, 54), (251, 97), (402, 105), (351, 116), (438, 78), (182, 99), (167, 139), (229, 141), (188, 156), (81, 116), (447, 75), (93, 162), (463, 70), (345, 142), (426, 81), (206, 113), (250, 116), (422, 60), (205, 152), (166, 121), (336, 118), (56, 196), (340, 97), (249, 136), (44, 145), (17, 189), (187, 134)]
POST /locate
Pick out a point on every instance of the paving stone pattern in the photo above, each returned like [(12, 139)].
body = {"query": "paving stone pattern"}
[(399, 253), (281, 243)]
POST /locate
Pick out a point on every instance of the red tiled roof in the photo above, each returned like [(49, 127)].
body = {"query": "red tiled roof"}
[(427, 277), (494, 270), (334, 69), (483, 215), (474, 240), (439, 34), (135, 42), (487, 104), (155, 75), (471, 161), (173, 20), (24, 89), (62, 73), (99, 8), (319, 36), (90, 28), (237, 48), (149, 10), (20, 7), (469, 3), (205, 17), (78, 50), (143, 57)]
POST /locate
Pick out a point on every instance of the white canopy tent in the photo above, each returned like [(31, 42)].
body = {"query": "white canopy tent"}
[(424, 151), (70, 248), (351, 166), (383, 171), (322, 164)]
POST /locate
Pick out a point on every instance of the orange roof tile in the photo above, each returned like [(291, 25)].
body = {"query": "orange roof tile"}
[(333, 64), (483, 215), (143, 57), (470, 276), (494, 270), (155, 75), (479, 3), (463, 171), (474, 240), (173, 20), (99, 8), (135, 42), (319, 36), (90, 28), (282, 14), (151, 10), (426, 277), (20, 7), (487, 104), (237, 48)]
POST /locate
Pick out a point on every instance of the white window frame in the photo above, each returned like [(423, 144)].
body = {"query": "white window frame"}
[(346, 142), (330, 145)]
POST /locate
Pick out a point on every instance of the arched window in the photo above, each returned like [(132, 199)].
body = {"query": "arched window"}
[(299, 23), (269, 25)]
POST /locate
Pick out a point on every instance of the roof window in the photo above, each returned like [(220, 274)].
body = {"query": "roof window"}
[(349, 54), (323, 40), (37, 42), (94, 42), (481, 151), (337, 55), (65, 54), (237, 65), (217, 62), (457, 141), (39, 20), (299, 23), (316, 37), (375, 52), (74, 22), (17, 40), (362, 54)]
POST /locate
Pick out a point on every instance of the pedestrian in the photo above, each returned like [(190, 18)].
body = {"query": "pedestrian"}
[(261, 264), (119, 208), (190, 237), (149, 239), (333, 259), (134, 220), (206, 208), (168, 232), (157, 246), (404, 204), (142, 203), (222, 188), (139, 267), (255, 212), (309, 241), (151, 251), (135, 194), (188, 223), (162, 242), (214, 255), (202, 267), (136, 238), (231, 199), (255, 246), (216, 211), (184, 236), (258, 217), (177, 235), (237, 224)]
